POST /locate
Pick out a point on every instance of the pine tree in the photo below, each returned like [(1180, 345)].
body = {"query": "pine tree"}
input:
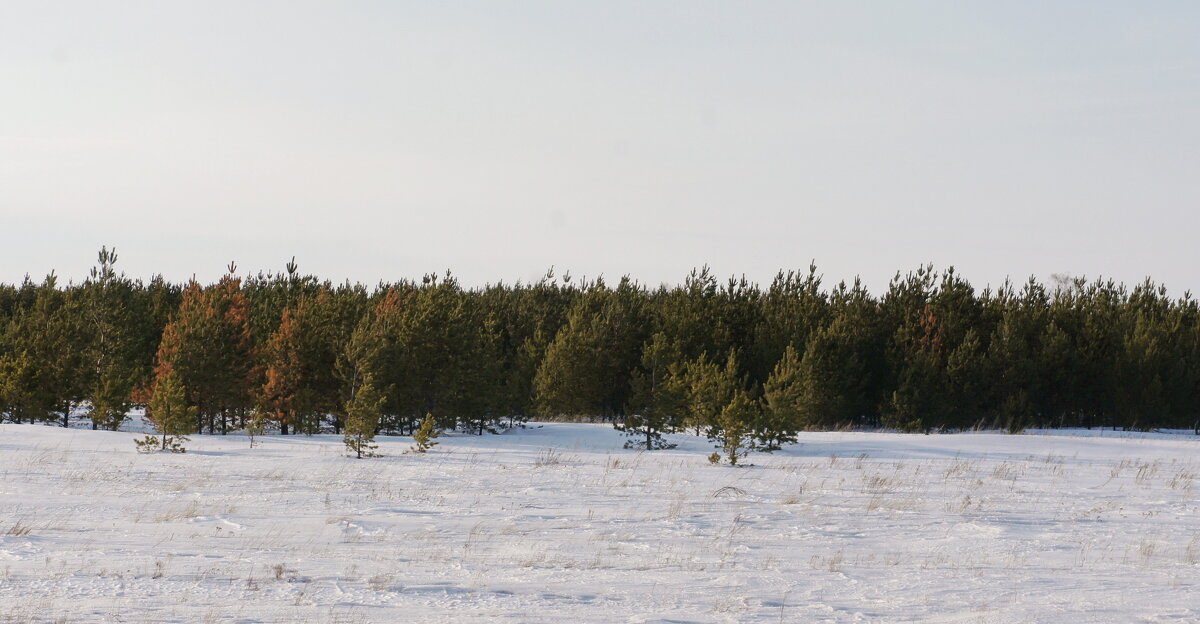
[(735, 422), (569, 380), (44, 366), (920, 400), (1058, 364), (793, 309), (967, 371), (657, 402), (690, 315), (586, 367), (709, 388), (426, 435), (171, 415), (832, 385), (255, 428), (111, 366), (208, 344), (782, 416), (841, 370), (1014, 354), (363, 413), (279, 394), (435, 352), (478, 396), (1145, 366), (300, 386), (537, 313), (370, 351), (20, 389)]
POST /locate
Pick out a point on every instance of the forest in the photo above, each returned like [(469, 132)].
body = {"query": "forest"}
[(741, 363)]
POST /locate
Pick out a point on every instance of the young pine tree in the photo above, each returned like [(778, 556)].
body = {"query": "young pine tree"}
[(708, 388), (657, 401), (781, 417), (735, 422), (369, 351), (171, 414), (363, 413), (255, 428), (426, 434)]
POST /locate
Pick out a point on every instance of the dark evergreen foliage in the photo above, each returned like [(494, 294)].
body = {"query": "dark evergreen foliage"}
[(931, 353)]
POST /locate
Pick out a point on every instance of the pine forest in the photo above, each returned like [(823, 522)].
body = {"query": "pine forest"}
[(744, 364)]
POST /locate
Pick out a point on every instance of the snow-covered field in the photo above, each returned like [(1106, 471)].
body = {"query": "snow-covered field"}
[(560, 523)]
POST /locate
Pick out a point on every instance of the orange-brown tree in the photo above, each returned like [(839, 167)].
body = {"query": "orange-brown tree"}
[(300, 388), (208, 344)]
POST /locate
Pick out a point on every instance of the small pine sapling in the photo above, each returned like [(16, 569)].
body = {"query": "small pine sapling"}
[(779, 420), (735, 430), (255, 428), (363, 413), (425, 435), (172, 416)]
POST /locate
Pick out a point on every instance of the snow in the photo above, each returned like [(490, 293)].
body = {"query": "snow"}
[(558, 522)]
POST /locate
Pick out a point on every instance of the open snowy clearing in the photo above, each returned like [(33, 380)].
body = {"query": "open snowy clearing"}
[(559, 523)]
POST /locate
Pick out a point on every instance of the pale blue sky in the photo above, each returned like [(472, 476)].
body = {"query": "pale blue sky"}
[(379, 140)]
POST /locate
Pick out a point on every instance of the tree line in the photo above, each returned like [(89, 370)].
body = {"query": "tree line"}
[(744, 364)]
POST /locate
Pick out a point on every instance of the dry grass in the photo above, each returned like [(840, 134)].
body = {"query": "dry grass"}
[(18, 529)]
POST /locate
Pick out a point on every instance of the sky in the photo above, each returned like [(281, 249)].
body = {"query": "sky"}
[(385, 140)]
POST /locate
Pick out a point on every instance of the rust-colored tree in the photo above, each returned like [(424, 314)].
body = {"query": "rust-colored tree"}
[(208, 344), (300, 388)]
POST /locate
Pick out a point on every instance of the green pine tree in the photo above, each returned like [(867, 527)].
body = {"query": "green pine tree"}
[(426, 435), (793, 308), (735, 420), (585, 370), (1145, 362), (921, 399), (657, 400), (110, 365), (45, 375), (709, 388), (171, 415), (255, 428), (967, 372), (781, 417), (20, 385), (363, 413)]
